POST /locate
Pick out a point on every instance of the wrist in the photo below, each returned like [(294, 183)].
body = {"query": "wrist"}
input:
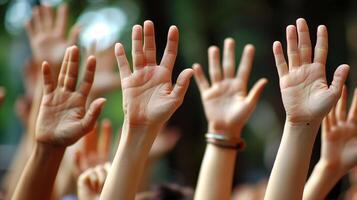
[(233, 132), (303, 123), (308, 126), (324, 169), (139, 134), (47, 149)]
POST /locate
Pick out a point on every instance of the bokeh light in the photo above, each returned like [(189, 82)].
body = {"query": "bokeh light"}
[(104, 26), (51, 2), (16, 16)]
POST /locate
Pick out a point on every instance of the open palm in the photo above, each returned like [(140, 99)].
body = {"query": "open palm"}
[(47, 35), (339, 136), (306, 95), (149, 96), (226, 102), (63, 118)]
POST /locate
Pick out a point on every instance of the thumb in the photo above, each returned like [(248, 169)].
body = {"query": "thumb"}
[(256, 91), (338, 81), (92, 114), (182, 83)]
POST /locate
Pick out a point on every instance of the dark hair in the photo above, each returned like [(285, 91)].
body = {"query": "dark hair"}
[(172, 192)]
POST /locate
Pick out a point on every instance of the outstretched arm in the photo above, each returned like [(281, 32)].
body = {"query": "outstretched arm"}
[(338, 149), (307, 98), (149, 99), (62, 120), (227, 107)]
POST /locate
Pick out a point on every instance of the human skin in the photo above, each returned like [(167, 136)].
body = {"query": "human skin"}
[(62, 120), (228, 106), (307, 98), (149, 99)]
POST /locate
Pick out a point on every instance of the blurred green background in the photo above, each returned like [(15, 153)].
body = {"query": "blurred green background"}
[(201, 23)]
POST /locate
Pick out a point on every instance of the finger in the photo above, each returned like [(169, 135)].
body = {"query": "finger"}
[(107, 167), (326, 126), (93, 179), (90, 141), (280, 61), (228, 58), (200, 77), (293, 51), (245, 65), (352, 114), (214, 68), (256, 91), (83, 179), (48, 85), (61, 20), (332, 116), (72, 69), (37, 19), (104, 148), (338, 81), (182, 83), (341, 109), (305, 49), (321, 48), (47, 17), (101, 174), (88, 77), (63, 70), (169, 57), (92, 113), (149, 43), (74, 35), (137, 47), (30, 29), (122, 61)]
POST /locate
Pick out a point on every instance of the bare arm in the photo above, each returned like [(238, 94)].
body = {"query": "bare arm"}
[(338, 149), (62, 120), (227, 107), (149, 99), (307, 98)]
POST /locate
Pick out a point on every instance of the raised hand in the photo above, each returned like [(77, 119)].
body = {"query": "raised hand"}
[(47, 35), (63, 117), (149, 98), (226, 102), (90, 182), (96, 148), (306, 94), (307, 98), (339, 136), (106, 79)]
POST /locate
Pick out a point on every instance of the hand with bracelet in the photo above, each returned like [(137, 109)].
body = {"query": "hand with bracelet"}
[(227, 106), (338, 149)]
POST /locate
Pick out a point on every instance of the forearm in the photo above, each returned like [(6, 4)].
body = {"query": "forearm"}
[(216, 174), (38, 177), (320, 182), (290, 168), (23, 152), (35, 107), (125, 174)]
